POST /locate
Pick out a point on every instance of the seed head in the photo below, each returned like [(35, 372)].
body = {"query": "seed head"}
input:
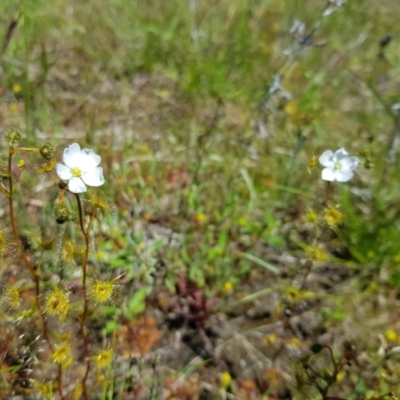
[(47, 151), (64, 213), (13, 136)]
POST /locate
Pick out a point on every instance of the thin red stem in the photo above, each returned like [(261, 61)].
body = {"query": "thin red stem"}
[(85, 296), (26, 261)]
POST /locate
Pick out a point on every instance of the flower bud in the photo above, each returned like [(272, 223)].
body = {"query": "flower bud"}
[(47, 151), (316, 348), (62, 213), (13, 136), (62, 185), (21, 164)]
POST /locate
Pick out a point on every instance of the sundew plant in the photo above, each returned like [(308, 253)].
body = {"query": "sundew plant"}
[(33, 297), (199, 199)]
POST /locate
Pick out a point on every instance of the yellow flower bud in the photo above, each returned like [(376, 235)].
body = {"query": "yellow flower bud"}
[(21, 164)]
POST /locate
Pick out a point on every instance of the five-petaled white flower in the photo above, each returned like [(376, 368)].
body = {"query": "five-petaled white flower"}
[(339, 166), (80, 169)]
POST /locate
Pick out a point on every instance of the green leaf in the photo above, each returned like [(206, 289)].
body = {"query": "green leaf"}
[(261, 262), (137, 303)]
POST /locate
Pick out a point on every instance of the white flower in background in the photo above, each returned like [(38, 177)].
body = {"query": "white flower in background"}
[(298, 28), (337, 3), (80, 168), (339, 166)]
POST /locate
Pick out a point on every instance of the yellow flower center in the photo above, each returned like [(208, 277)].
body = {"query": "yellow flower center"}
[(337, 166), (76, 172)]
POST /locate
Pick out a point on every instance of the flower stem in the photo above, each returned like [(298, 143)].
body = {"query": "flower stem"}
[(17, 245), (85, 296), (328, 192)]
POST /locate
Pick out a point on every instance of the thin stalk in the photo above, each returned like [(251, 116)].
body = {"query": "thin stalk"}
[(35, 276), (328, 192), (85, 295)]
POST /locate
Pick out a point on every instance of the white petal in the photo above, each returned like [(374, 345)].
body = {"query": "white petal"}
[(76, 185), (328, 174), (349, 163), (63, 172), (343, 176), (355, 160), (326, 158), (72, 156), (90, 159), (341, 153), (94, 177)]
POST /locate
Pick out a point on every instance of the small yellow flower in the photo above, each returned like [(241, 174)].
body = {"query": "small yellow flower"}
[(333, 216), (340, 376), (391, 335), (62, 355), (228, 287), (270, 339), (16, 88), (103, 358), (201, 218), (102, 291), (57, 303), (21, 163), (242, 221), (226, 380), (315, 253), (294, 342)]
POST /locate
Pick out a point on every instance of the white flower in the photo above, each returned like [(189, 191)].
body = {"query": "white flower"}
[(339, 166), (298, 28), (80, 169), (337, 3)]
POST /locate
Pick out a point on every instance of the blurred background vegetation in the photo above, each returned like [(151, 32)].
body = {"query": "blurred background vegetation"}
[(199, 151)]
